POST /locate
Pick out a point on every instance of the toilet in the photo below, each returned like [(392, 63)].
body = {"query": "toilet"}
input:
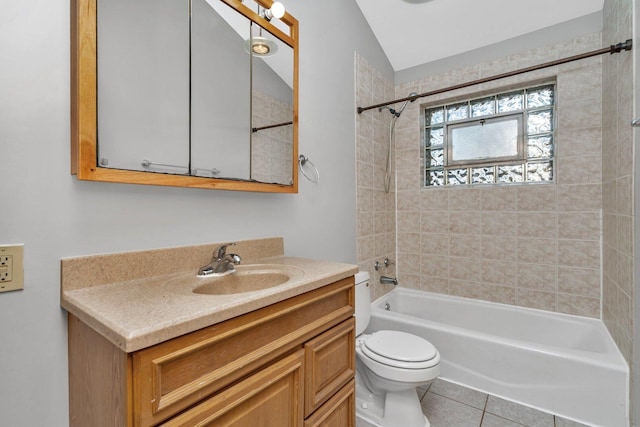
[(390, 365)]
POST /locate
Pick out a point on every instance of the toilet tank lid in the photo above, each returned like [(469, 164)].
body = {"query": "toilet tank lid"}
[(362, 276)]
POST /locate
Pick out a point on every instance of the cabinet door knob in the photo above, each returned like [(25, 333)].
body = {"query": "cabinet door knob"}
[(635, 122)]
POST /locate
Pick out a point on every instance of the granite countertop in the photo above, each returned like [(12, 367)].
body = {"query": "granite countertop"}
[(135, 314)]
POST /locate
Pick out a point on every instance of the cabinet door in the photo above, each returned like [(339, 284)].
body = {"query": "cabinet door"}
[(339, 411), (175, 375), (329, 364), (271, 397)]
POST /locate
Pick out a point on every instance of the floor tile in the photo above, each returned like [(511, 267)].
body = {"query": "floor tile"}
[(461, 394), (563, 422), (423, 390), (521, 414), (443, 412), (450, 405), (362, 423), (490, 420)]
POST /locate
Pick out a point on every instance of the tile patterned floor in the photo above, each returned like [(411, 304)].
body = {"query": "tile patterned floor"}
[(451, 405)]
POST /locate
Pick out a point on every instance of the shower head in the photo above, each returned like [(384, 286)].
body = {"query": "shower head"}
[(414, 97), (397, 113)]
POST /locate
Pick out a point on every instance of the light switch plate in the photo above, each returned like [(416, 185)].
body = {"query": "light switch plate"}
[(11, 269)]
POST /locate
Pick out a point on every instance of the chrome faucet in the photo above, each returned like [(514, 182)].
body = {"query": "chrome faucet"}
[(389, 280), (221, 262)]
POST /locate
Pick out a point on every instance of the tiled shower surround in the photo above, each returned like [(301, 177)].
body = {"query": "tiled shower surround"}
[(533, 245), (617, 179), (376, 216)]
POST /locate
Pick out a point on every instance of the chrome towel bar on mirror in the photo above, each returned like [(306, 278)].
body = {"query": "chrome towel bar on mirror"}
[(195, 171), (148, 163)]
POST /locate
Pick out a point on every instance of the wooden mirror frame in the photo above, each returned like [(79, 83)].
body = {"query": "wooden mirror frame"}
[(84, 117)]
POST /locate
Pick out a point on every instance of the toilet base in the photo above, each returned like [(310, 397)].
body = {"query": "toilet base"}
[(402, 408), (370, 407)]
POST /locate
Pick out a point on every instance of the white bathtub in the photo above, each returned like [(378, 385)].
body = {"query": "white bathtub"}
[(562, 364)]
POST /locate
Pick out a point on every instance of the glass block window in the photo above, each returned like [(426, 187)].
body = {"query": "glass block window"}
[(500, 139)]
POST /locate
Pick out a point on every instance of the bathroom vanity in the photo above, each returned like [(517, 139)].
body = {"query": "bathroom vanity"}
[(146, 350)]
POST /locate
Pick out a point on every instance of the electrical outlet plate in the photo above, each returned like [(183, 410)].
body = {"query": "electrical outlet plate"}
[(11, 270)]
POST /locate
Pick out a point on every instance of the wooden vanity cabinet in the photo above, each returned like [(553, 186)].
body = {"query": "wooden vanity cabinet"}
[(288, 364)]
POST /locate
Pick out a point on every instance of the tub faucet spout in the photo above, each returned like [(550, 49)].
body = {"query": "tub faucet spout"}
[(389, 280)]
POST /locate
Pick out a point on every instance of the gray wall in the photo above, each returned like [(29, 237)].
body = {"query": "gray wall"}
[(565, 31), (56, 216)]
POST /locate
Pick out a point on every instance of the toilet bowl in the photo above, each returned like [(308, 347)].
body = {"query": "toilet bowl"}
[(390, 365)]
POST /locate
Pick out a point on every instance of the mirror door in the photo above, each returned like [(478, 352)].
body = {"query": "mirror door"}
[(220, 92), (272, 112), (143, 85)]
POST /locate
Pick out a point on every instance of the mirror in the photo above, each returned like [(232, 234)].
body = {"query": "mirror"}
[(220, 93), (143, 84), (178, 100), (272, 114)]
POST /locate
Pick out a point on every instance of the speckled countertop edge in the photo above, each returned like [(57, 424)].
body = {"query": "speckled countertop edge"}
[(139, 313)]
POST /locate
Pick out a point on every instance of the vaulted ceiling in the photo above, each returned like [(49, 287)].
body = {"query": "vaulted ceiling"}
[(415, 32)]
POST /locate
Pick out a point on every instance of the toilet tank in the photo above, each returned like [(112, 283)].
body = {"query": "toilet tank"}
[(363, 302)]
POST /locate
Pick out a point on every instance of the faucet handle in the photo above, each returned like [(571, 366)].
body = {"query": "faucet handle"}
[(221, 251)]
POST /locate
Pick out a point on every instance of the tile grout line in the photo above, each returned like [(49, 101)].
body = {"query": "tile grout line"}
[(484, 409), (482, 418), (458, 401)]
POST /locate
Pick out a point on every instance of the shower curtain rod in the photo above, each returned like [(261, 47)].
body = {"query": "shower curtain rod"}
[(614, 48), (254, 130)]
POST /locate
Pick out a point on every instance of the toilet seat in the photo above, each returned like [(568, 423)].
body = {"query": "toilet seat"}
[(400, 350)]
